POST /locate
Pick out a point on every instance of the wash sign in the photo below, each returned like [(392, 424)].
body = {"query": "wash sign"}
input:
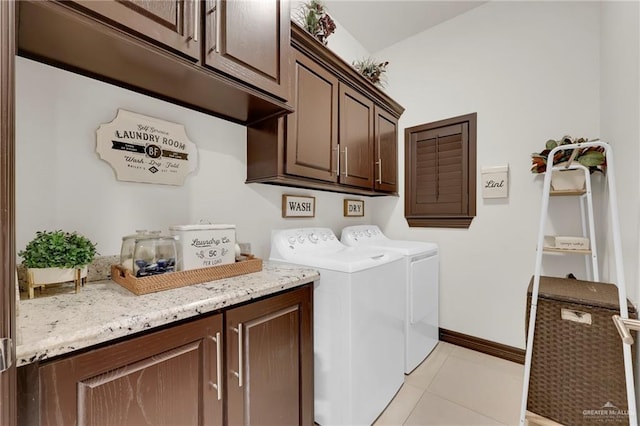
[(146, 149), (298, 206)]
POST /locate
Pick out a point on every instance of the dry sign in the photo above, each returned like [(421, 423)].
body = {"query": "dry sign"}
[(353, 207), (146, 149)]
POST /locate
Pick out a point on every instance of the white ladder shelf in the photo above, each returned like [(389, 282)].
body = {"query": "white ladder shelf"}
[(587, 221), (591, 260)]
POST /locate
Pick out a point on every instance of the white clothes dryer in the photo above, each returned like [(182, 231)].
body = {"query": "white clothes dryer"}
[(357, 321), (421, 279)]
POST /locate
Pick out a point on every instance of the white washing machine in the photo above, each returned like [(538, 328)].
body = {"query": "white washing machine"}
[(357, 322), (421, 272)]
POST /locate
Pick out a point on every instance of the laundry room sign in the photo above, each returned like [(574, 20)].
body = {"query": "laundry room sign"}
[(146, 149)]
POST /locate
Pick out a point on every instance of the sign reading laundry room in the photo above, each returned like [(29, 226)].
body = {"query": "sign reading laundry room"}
[(353, 207), (298, 206), (146, 149)]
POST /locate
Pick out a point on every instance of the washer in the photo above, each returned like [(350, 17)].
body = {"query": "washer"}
[(358, 317), (421, 272)]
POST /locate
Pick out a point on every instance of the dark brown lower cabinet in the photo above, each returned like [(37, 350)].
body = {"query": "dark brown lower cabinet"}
[(177, 376), (270, 361), (163, 378)]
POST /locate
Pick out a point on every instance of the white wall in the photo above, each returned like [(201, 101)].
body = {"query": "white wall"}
[(341, 42), (62, 184), (531, 72), (620, 118)]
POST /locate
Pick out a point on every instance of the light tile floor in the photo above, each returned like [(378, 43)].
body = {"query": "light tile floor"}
[(458, 386)]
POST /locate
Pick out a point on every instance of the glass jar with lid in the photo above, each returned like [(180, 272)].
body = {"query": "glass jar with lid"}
[(154, 255), (129, 244), (148, 252)]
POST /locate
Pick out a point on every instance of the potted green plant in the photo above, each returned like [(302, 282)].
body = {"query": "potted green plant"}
[(56, 257), (593, 158), (372, 70), (313, 17)]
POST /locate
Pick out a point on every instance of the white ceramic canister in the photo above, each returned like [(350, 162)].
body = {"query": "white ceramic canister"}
[(205, 245)]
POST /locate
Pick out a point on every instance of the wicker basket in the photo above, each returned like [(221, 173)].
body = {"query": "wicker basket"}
[(171, 280), (577, 370)]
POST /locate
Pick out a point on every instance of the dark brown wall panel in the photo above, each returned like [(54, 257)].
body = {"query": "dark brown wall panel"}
[(7, 205)]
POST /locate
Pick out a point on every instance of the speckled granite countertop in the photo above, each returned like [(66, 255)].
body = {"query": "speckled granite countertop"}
[(103, 310)]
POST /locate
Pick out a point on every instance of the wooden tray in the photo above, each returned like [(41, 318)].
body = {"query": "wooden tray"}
[(171, 280)]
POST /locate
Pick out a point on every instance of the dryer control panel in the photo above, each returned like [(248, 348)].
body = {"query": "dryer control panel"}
[(351, 235)]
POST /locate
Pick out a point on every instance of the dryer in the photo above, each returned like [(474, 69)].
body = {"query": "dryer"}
[(357, 320), (420, 279)]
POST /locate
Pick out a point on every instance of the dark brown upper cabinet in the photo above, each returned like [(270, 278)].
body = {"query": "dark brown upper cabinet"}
[(172, 23), (386, 151), (250, 40), (356, 138), (440, 173), (341, 128), (225, 58), (312, 129)]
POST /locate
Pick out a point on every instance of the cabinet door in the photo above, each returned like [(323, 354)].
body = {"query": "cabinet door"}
[(168, 377), (172, 23), (250, 40), (356, 138), (312, 129), (386, 151), (270, 361)]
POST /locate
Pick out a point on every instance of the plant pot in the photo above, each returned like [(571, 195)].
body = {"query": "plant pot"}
[(567, 180), (39, 277)]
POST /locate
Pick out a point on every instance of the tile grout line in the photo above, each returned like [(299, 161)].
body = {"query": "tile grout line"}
[(449, 400), (426, 389)]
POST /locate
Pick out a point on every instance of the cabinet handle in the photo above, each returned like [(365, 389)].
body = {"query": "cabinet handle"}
[(337, 150), (238, 374), (196, 19), (218, 384), (379, 163), (346, 162)]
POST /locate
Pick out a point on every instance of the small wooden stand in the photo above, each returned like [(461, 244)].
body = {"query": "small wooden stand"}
[(31, 284)]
